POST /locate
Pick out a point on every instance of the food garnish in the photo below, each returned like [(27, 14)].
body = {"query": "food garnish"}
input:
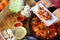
[(26, 11), (44, 14)]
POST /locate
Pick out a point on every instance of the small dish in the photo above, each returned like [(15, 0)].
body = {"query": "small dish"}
[(47, 22)]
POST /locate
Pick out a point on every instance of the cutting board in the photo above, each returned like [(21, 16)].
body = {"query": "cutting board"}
[(7, 19)]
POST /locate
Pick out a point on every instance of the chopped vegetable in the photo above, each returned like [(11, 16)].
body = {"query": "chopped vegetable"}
[(41, 30), (16, 5)]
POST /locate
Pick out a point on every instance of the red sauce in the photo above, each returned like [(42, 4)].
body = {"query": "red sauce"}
[(18, 24), (21, 18)]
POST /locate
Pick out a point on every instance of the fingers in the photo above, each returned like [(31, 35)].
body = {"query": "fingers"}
[(47, 3), (57, 13)]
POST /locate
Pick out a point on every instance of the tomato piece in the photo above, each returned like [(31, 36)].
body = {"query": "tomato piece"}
[(52, 26), (58, 29), (4, 3), (21, 18), (58, 23), (1, 7)]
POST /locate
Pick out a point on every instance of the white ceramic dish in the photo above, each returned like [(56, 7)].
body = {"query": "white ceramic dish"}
[(47, 22)]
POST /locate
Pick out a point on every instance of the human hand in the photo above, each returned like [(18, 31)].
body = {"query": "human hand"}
[(57, 14), (47, 3)]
